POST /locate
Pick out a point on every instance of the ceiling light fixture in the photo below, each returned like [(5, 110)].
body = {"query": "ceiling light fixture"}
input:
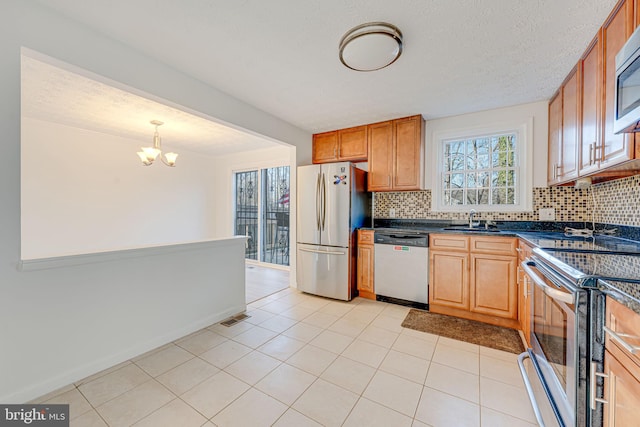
[(371, 46), (149, 154)]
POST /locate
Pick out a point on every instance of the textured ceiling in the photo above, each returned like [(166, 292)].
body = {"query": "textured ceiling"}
[(57, 95), (281, 55)]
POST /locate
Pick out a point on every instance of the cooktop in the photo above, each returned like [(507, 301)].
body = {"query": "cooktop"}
[(582, 266), (604, 244)]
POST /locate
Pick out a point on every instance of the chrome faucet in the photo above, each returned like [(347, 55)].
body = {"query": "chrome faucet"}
[(472, 212)]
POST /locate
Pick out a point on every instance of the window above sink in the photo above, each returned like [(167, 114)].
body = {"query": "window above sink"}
[(487, 169)]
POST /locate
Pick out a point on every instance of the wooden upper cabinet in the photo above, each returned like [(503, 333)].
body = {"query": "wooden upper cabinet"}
[(352, 144), (380, 156), (396, 155), (408, 146), (340, 145), (564, 123), (568, 169), (615, 32), (591, 82), (325, 147), (581, 114), (555, 138)]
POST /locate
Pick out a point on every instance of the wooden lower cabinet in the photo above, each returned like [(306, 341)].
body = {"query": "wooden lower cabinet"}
[(524, 293), (622, 393), (621, 367), (492, 285), (365, 264), (449, 278), (474, 278)]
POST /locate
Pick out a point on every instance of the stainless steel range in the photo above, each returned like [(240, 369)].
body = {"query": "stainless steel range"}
[(567, 329)]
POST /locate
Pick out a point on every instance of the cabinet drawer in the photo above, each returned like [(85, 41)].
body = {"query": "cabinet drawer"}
[(448, 242), (626, 324), (494, 245), (365, 237)]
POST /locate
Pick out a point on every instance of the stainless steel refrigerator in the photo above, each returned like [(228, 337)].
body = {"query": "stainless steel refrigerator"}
[(332, 203)]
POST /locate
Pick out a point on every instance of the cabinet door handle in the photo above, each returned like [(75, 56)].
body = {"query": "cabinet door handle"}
[(593, 379), (591, 153), (619, 338)]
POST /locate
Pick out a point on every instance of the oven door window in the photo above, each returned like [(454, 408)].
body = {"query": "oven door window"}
[(550, 329), (553, 329)]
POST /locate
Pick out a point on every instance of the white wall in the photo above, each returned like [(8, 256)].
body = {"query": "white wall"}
[(97, 196), (54, 321), (519, 113), (67, 320)]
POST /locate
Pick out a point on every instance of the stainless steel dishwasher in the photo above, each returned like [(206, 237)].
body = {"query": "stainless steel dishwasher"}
[(401, 267)]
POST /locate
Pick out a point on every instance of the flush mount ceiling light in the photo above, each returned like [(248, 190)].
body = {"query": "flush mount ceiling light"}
[(149, 154), (371, 46)]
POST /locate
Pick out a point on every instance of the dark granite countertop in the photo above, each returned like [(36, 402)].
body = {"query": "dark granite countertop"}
[(550, 236), (626, 293)]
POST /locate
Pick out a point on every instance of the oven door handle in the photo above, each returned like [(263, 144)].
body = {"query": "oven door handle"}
[(553, 293), (529, 387)]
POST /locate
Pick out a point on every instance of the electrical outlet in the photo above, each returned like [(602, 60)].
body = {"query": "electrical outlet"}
[(392, 212), (547, 214)]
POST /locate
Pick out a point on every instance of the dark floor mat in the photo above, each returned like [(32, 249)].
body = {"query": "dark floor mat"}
[(483, 334)]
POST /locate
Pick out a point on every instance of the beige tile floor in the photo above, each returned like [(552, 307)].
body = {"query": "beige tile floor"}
[(301, 360), (262, 281)]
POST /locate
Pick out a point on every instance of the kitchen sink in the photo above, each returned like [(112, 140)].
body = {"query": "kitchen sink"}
[(466, 228)]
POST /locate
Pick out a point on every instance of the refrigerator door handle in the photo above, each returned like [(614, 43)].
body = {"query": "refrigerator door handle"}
[(318, 202), (314, 251), (324, 200)]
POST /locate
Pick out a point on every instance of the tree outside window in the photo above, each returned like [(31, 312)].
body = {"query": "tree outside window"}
[(480, 171)]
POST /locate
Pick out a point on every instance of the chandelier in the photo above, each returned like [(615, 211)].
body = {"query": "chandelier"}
[(149, 154)]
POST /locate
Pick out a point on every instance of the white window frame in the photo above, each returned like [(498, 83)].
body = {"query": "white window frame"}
[(523, 160)]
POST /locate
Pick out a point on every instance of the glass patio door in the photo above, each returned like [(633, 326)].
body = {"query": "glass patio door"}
[(262, 213)]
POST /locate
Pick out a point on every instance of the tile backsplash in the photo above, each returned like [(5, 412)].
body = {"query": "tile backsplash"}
[(618, 202)]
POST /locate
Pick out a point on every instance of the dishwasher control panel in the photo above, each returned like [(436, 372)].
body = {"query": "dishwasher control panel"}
[(402, 238)]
